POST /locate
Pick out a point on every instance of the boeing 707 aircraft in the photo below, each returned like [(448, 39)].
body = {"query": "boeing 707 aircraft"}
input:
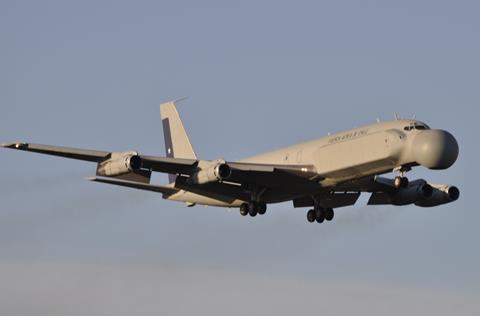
[(322, 174)]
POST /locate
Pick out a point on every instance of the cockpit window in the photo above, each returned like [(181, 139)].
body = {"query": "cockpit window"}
[(416, 126)]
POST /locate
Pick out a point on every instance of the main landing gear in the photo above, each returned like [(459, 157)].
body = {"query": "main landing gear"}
[(320, 214), (253, 208)]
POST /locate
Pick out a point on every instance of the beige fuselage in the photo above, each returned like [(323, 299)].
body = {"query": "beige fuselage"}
[(361, 152)]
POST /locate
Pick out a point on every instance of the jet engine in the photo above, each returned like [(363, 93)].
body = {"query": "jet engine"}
[(214, 171), (416, 191), (442, 194), (119, 163)]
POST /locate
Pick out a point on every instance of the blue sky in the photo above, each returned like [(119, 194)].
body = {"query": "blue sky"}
[(259, 75)]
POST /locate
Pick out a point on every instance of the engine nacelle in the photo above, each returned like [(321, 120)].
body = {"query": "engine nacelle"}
[(442, 194), (119, 163), (211, 172), (416, 191)]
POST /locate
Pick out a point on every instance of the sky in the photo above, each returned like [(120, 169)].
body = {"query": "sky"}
[(258, 75)]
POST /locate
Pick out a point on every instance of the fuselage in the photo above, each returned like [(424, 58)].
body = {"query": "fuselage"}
[(358, 153)]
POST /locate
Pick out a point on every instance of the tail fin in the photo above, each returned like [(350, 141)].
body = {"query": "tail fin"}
[(177, 144)]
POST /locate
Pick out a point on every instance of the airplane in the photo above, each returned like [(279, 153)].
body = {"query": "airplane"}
[(322, 174)]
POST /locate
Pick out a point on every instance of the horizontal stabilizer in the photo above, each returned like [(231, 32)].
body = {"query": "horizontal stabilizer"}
[(165, 190)]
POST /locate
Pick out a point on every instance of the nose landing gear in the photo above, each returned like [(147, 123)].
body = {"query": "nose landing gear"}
[(401, 181)]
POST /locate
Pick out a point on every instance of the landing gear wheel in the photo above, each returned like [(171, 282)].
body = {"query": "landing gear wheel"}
[(329, 213), (320, 215), (252, 209), (397, 182), (400, 182), (244, 209), (311, 216), (262, 208)]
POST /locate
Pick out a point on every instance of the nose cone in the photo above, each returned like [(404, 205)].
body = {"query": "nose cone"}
[(435, 149)]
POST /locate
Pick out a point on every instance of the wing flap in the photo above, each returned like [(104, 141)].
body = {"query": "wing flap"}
[(333, 200), (165, 190), (290, 178), (220, 191), (169, 165)]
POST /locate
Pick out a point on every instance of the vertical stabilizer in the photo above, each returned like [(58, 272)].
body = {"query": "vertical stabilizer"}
[(177, 144)]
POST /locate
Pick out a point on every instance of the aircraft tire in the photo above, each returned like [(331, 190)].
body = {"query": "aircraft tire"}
[(329, 214), (244, 209), (311, 216), (320, 215), (262, 208), (397, 182), (400, 182)]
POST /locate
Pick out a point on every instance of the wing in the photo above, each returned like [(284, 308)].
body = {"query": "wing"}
[(292, 178), (275, 176), (277, 182), (274, 182), (367, 184), (153, 163), (67, 152), (169, 165), (120, 171), (347, 193)]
